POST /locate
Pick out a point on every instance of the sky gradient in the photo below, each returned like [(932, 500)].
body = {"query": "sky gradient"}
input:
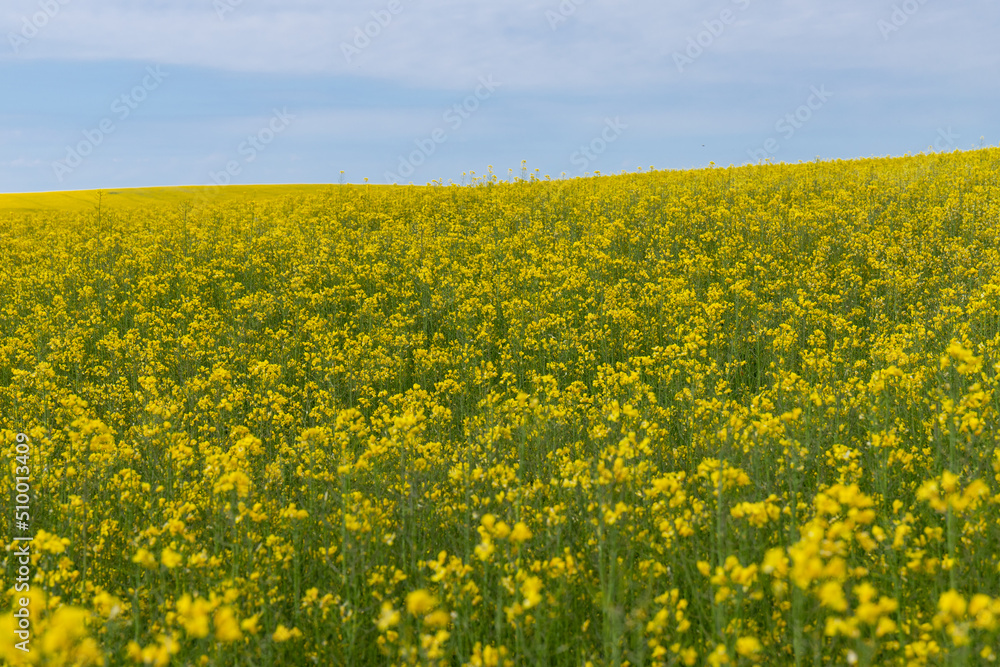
[(194, 92)]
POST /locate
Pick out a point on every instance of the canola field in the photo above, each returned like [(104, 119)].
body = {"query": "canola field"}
[(716, 417)]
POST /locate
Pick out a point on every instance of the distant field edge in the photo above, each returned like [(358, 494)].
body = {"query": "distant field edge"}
[(80, 200)]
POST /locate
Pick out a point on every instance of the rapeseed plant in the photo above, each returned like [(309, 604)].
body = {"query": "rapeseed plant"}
[(727, 417)]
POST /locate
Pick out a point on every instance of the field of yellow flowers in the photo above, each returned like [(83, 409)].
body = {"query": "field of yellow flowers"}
[(717, 417)]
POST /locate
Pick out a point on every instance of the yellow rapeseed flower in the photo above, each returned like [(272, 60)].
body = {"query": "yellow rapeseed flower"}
[(420, 602), (227, 629)]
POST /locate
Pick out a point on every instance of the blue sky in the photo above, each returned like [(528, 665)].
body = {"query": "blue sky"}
[(123, 93)]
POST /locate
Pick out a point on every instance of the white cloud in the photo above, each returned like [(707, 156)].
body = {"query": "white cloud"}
[(22, 162), (447, 43)]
